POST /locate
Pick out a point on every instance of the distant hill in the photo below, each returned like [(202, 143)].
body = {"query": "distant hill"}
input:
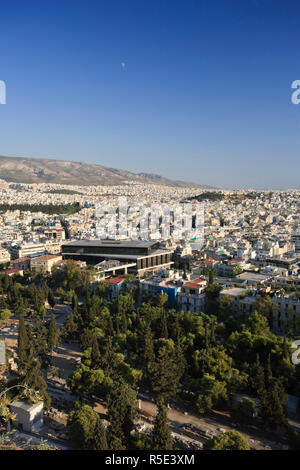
[(42, 170)]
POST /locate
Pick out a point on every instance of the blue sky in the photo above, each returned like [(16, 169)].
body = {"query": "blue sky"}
[(204, 96)]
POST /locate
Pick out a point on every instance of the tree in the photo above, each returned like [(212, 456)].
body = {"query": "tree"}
[(237, 269), (212, 292), (212, 393), (70, 328), (264, 306), (161, 436), (231, 440), (53, 333), (5, 314), (38, 340), (162, 299), (34, 380), (246, 409), (268, 372), (273, 404), (211, 273), (51, 299), (100, 441), (257, 377), (204, 403), (121, 405), (148, 352), (95, 353), (225, 307), (164, 327), (82, 422), (165, 371), (23, 343), (184, 272)]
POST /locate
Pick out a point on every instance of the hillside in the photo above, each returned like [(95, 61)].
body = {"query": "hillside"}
[(42, 170)]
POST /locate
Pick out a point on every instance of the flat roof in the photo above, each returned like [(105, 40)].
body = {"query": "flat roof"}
[(117, 256), (234, 292), (26, 406), (247, 276), (113, 243)]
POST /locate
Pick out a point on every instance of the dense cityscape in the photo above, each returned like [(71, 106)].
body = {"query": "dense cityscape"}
[(149, 231), (148, 344)]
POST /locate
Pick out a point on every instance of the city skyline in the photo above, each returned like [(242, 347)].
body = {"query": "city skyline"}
[(193, 91)]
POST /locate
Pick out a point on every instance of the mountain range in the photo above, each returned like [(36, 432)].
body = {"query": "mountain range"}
[(42, 170)]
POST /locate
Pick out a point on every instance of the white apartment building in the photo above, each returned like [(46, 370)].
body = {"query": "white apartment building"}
[(295, 238), (191, 296), (24, 250), (4, 256)]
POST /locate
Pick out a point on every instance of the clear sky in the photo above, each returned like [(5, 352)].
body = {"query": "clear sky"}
[(198, 90)]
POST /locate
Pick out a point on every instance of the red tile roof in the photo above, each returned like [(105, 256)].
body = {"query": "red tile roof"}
[(20, 260), (115, 280), (196, 283), (11, 271), (45, 257)]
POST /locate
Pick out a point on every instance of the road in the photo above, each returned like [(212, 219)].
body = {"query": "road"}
[(178, 418)]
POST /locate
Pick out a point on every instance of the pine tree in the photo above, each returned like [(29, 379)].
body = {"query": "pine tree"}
[(82, 424), (161, 436), (100, 441)]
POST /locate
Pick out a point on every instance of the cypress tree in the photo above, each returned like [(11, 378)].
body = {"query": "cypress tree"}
[(100, 441), (121, 406), (268, 372), (35, 380), (23, 343), (75, 303), (95, 354), (257, 378), (110, 326), (164, 326), (149, 355), (206, 337), (53, 333), (124, 322), (51, 299), (161, 436), (273, 405), (70, 329), (285, 348), (165, 373)]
